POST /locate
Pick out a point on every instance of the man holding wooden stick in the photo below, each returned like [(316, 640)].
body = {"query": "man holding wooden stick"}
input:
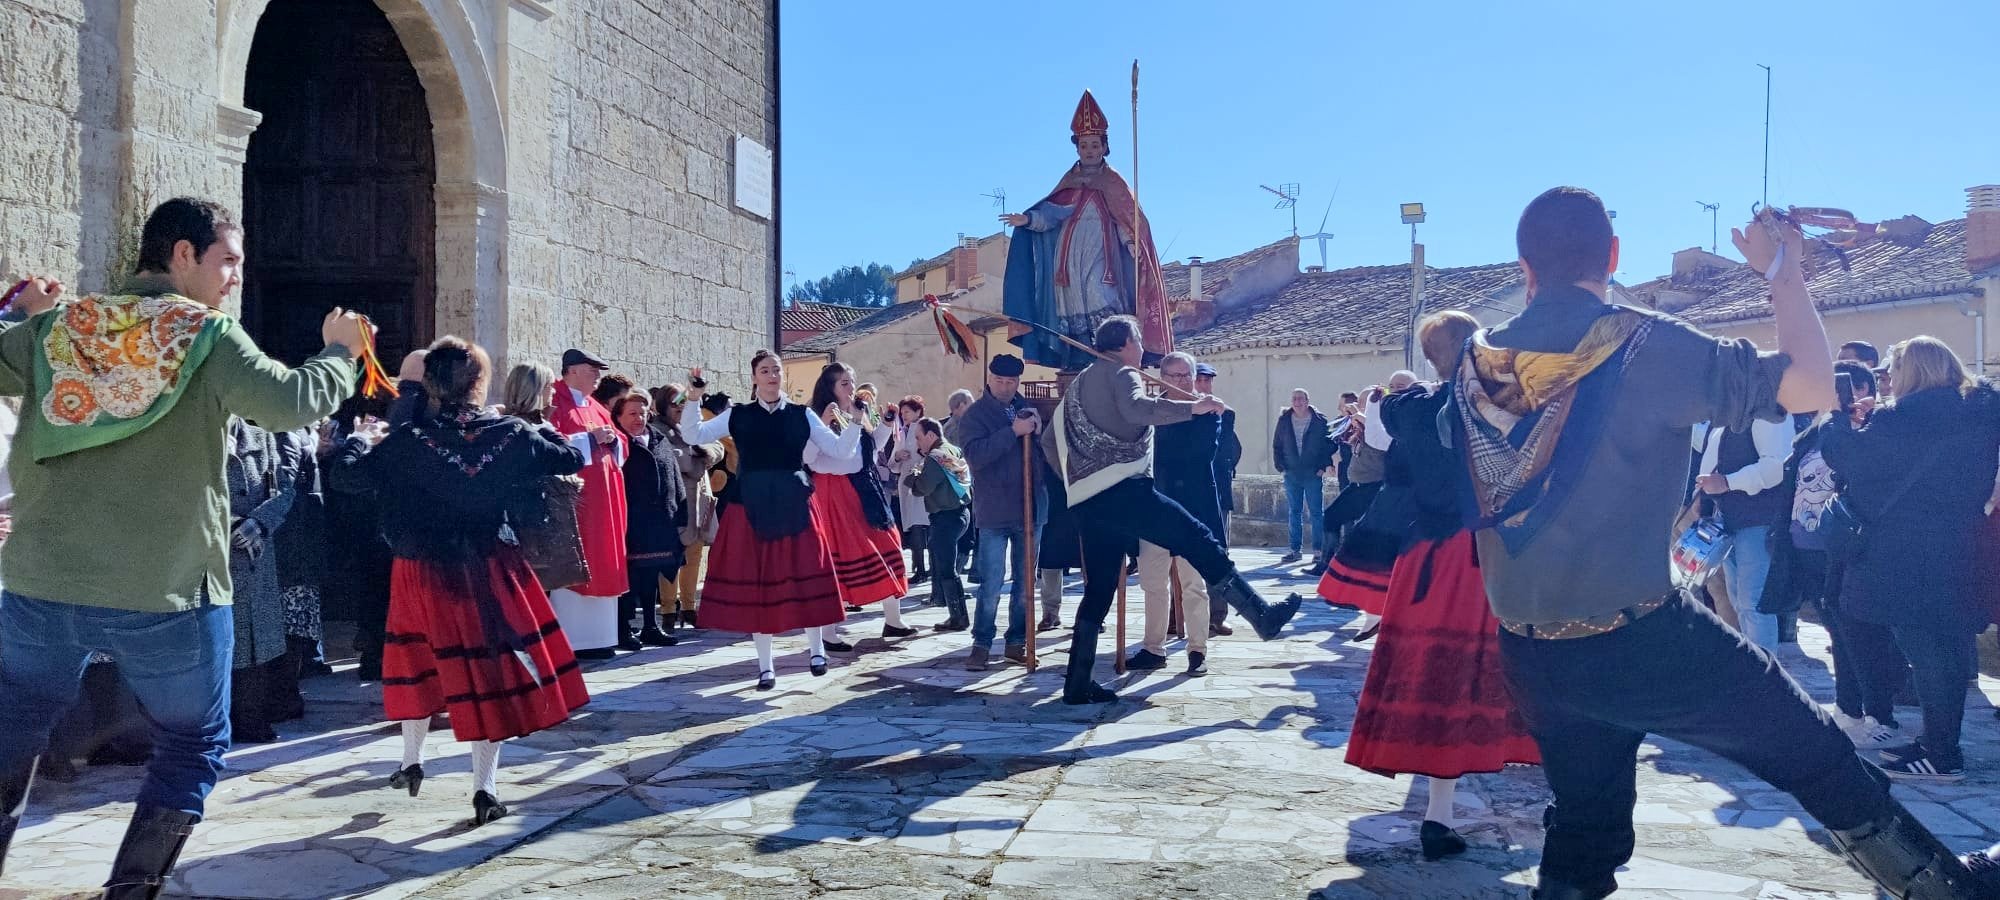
[(1102, 441), (997, 431)]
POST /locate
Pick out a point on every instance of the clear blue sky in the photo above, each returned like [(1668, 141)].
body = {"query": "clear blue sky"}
[(897, 116)]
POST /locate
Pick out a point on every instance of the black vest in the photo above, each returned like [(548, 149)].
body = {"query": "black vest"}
[(1741, 510)]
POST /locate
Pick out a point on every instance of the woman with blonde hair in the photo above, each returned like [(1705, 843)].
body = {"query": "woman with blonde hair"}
[(1919, 475), (1435, 701), (528, 393)]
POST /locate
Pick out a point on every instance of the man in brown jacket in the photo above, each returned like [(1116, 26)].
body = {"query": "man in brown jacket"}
[(1102, 444)]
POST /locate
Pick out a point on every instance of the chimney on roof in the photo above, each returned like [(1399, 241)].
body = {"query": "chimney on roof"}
[(964, 262), (1194, 278), (1982, 227)]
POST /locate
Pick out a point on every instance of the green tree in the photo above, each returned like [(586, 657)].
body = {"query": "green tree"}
[(872, 285)]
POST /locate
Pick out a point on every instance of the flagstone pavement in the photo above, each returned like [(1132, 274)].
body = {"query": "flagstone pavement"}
[(900, 775)]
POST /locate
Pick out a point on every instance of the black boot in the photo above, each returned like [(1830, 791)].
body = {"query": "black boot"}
[(1078, 685), (1985, 869), (1551, 889), (153, 843), (1267, 618), (1902, 856), (14, 789)]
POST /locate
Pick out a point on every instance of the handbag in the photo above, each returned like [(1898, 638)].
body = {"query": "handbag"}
[(1842, 529), (543, 519)]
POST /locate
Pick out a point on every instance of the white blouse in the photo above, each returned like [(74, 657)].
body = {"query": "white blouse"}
[(824, 445)]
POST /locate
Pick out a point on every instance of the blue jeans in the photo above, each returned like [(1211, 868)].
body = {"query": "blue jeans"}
[(1745, 570), (993, 564), (177, 664), (1303, 502)]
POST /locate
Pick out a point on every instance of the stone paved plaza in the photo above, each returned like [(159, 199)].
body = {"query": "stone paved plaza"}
[(900, 775)]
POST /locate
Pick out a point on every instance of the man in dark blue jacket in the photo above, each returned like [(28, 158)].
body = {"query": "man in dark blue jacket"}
[(1302, 451), (1184, 456)]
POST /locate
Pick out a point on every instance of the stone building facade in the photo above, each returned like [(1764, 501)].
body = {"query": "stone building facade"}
[(533, 174)]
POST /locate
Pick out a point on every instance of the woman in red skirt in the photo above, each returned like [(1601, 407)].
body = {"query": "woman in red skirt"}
[(1435, 702), (852, 507), (768, 567), (470, 629)]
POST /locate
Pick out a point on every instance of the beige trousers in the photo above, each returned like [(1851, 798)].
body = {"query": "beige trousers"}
[(1154, 579)]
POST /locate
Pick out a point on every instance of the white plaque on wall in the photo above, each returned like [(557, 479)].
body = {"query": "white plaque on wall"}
[(753, 177)]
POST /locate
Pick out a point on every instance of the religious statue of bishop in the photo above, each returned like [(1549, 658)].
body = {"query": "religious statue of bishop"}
[(1084, 254)]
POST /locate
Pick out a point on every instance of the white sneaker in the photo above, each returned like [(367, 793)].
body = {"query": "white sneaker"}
[(1854, 728), (1877, 736)]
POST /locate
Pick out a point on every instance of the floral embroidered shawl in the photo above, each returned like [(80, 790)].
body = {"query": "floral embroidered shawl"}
[(111, 366)]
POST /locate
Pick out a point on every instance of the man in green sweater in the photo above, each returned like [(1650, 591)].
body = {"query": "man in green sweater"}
[(121, 534)]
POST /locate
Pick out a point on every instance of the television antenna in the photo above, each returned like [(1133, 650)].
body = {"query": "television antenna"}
[(1323, 233), (1288, 198), (999, 198), (1714, 230)]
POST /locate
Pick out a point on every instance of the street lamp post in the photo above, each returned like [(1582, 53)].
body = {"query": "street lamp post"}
[(1413, 215)]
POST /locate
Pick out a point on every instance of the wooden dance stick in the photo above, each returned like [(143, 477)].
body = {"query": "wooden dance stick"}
[(1175, 626), (1118, 665), (1028, 573)]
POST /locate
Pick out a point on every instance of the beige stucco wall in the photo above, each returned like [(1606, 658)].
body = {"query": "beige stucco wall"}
[(583, 152), (992, 264), (907, 358), (1258, 384), (1886, 324)]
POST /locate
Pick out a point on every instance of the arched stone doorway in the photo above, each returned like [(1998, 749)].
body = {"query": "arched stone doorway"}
[(338, 179)]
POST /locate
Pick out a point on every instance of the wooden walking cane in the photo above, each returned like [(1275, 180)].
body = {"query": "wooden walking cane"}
[(1027, 574), (1176, 626)]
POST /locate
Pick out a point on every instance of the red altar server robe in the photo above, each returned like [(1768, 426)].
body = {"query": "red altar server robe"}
[(600, 513)]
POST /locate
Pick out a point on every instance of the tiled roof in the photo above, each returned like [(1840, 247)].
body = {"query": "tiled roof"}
[(885, 319), (809, 316), (1884, 270), (1366, 305), (1215, 273), (942, 258)]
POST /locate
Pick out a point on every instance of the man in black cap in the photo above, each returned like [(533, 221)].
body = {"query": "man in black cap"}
[(589, 611), (992, 430), (1228, 454)]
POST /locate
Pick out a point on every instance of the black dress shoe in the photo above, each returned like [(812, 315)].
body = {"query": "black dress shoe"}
[(630, 643), (486, 809), (369, 669), (840, 646), (955, 623), (1367, 633), (1221, 628), (1197, 664), (1146, 660), (654, 637), (598, 655), (767, 680), (410, 778), (889, 631), (920, 577), (1439, 841), (1095, 693), (818, 665), (688, 619), (253, 733), (852, 608)]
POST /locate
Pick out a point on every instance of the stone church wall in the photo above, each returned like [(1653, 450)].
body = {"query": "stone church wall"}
[(583, 149)]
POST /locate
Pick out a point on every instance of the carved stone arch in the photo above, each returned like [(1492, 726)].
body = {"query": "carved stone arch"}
[(468, 129)]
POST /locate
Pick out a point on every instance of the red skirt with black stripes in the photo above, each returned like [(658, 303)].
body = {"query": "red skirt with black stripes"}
[(867, 561), (438, 655), (757, 586)]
